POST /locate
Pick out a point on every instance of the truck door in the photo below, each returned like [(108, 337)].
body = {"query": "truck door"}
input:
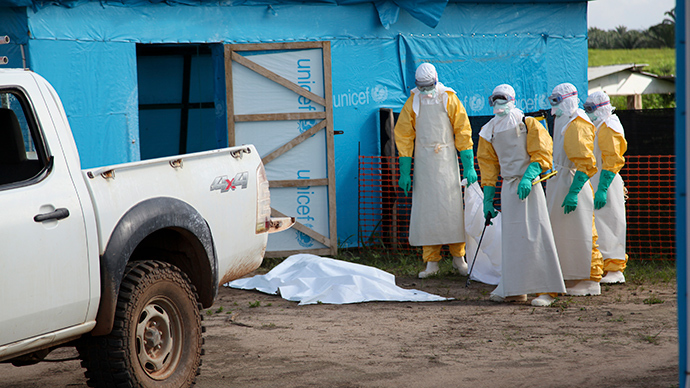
[(44, 282)]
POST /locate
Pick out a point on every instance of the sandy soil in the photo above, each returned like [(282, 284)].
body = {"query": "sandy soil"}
[(627, 337)]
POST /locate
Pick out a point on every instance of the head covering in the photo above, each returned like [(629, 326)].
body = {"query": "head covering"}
[(569, 104), (503, 92), (426, 73), (603, 110), (510, 117)]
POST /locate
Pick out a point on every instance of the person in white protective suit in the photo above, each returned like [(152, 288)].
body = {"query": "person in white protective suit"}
[(519, 149), (609, 199), (570, 197), (433, 123)]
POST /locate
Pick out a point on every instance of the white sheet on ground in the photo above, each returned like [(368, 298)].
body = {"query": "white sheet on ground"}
[(487, 269), (310, 279)]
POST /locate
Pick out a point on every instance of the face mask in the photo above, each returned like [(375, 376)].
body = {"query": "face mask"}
[(556, 111), (501, 109), (592, 116), (429, 94)]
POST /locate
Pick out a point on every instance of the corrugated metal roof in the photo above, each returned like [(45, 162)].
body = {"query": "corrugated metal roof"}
[(602, 71)]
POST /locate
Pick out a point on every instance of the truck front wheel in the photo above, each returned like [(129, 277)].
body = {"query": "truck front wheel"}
[(157, 333)]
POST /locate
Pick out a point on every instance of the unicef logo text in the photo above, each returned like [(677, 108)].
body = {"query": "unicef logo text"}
[(362, 97)]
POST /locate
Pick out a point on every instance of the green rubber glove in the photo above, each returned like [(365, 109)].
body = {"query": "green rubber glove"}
[(605, 179), (405, 182), (570, 201), (468, 172), (489, 210), (525, 185)]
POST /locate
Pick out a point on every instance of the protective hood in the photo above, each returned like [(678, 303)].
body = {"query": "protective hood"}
[(603, 112), (426, 73), (569, 104)]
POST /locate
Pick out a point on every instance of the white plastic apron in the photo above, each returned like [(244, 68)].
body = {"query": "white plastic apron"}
[(610, 219), (437, 216), (529, 261), (573, 231)]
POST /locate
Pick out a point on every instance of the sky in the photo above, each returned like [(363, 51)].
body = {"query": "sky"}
[(634, 14)]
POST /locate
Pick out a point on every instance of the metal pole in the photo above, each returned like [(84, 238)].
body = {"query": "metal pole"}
[(479, 244)]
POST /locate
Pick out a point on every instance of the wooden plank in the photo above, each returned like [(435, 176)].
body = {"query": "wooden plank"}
[(281, 116), (276, 46), (278, 79), (298, 182), (229, 103), (292, 143), (300, 227), (330, 145)]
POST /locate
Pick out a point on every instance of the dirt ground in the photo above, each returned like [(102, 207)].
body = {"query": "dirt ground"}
[(627, 337)]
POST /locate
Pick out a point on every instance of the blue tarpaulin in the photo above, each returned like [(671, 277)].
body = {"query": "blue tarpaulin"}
[(88, 51)]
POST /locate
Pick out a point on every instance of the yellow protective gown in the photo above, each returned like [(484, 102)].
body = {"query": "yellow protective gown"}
[(575, 233), (609, 147), (529, 262), (432, 130)]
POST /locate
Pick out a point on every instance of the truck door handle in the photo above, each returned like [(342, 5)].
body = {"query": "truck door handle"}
[(58, 214)]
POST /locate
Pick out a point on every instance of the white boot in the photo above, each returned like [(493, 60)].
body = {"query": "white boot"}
[(431, 269), (613, 277), (584, 288), (460, 264), (513, 298), (543, 300)]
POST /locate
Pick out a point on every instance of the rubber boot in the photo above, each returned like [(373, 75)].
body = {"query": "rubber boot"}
[(513, 298), (460, 264), (584, 288), (431, 269), (543, 300), (613, 277)]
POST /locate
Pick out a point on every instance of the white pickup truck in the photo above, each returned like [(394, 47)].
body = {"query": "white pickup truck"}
[(118, 260)]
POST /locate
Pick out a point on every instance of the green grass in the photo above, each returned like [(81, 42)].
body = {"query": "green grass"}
[(660, 61), (406, 263), (650, 271)]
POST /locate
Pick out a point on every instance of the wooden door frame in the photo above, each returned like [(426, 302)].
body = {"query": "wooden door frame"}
[(325, 121)]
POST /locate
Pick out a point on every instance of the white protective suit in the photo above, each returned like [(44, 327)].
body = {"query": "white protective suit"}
[(431, 128), (574, 232), (529, 261), (609, 147)]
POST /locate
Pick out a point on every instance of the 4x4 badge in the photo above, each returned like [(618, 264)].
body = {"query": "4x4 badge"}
[(224, 184)]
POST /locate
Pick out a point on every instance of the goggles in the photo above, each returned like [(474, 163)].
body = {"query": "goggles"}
[(425, 86), (556, 98), (494, 98), (590, 107)]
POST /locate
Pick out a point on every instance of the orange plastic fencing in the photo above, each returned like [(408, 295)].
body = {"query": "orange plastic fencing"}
[(384, 210)]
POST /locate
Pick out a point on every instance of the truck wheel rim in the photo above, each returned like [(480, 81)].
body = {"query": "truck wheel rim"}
[(158, 338)]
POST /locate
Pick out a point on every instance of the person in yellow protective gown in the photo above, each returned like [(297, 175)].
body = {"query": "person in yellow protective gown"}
[(609, 199), (570, 197), (519, 148), (431, 126)]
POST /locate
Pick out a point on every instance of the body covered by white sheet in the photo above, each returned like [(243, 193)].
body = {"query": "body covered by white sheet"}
[(311, 279), (487, 268)]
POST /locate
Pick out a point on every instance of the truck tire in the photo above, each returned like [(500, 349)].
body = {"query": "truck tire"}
[(156, 339)]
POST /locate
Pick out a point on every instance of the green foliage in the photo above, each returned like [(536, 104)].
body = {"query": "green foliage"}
[(657, 36)]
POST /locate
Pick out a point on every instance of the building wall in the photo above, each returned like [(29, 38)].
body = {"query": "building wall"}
[(89, 54)]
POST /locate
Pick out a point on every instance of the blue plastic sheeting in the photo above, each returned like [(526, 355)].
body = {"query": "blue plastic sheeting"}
[(103, 115), (89, 54)]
